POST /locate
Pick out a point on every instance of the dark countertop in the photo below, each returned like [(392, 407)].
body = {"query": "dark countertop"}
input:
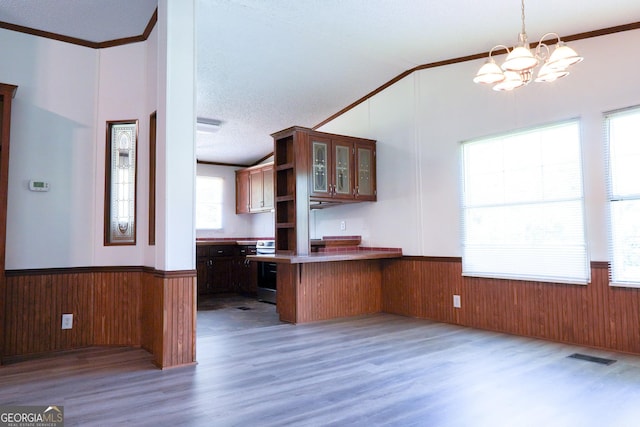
[(327, 256), (250, 241), (242, 242)]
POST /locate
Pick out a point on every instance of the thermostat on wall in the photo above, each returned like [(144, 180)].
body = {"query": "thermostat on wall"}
[(38, 185)]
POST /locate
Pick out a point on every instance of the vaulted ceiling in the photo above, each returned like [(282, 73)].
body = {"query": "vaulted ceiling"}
[(264, 65)]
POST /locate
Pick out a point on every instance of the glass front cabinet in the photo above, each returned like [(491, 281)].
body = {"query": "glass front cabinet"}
[(365, 186), (342, 169)]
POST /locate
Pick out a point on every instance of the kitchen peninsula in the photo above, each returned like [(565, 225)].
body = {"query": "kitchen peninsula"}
[(329, 285), (316, 170)]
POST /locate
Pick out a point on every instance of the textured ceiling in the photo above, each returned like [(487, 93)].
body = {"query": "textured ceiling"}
[(264, 65), (91, 20)]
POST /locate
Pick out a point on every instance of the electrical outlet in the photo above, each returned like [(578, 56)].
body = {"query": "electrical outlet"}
[(343, 225), (67, 321), (456, 301)]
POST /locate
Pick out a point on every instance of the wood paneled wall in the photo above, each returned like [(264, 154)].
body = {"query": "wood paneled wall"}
[(595, 315), (169, 317), (116, 308), (328, 290), (33, 311), (286, 302), (130, 306)]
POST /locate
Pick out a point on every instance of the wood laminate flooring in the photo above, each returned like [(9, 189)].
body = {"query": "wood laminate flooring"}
[(378, 370)]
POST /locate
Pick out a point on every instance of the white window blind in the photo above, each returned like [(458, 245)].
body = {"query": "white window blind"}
[(523, 206), (622, 133), (209, 202)]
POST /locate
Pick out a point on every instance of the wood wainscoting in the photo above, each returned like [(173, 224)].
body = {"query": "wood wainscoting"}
[(169, 317), (595, 315), (111, 306), (327, 290)]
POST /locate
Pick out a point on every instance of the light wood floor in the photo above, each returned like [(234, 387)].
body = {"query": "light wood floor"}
[(380, 370)]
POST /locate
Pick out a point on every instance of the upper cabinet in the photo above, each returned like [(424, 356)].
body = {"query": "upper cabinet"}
[(261, 189), (315, 170), (342, 168), (331, 168), (242, 191), (254, 189), (365, 175)]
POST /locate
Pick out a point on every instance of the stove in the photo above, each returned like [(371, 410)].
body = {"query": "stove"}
[(264, 247)]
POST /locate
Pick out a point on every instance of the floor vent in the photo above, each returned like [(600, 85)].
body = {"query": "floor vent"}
[(243, 308), (600, 360)]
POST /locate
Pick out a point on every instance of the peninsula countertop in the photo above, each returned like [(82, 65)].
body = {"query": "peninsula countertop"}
[(330, 256)]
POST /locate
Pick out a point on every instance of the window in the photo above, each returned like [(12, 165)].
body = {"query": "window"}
[(622, 133), (523, 207), (208, 203), (120, 187)]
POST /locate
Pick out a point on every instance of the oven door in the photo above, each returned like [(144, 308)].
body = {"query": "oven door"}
[(267, 279)]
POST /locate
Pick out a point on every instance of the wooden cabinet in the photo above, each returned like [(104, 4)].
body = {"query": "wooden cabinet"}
[(342, 168), (254, 189), (246, 272), (261, 189), (291, 154), (214, 267), (242, 191), (365, 172), (331, 168), (313, 170), (202, 271), (223, 269)]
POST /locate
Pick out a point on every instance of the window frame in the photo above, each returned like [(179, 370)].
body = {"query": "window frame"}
[(221, 181), (507, 246), (110, 238), (616, 199)]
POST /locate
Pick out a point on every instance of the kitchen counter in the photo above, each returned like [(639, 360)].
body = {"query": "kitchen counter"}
[(241, 241), (332, 256)]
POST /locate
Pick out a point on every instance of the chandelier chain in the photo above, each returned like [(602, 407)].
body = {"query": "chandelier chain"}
[(522, 8)]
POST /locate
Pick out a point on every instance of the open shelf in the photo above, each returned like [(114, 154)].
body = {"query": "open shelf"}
[(286, 148)]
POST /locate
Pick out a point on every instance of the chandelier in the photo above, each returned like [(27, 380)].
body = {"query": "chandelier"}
[(518, 69)]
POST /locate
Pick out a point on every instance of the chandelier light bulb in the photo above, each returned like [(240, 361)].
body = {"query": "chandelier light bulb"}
[(512, 80), (520, 59), (489, 73), (549, 74), (563, 56)]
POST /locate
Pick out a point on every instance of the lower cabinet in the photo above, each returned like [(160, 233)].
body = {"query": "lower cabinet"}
[(247, 272), (222, 269)]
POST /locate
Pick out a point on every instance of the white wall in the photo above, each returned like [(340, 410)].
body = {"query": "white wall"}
[(65, 95), (420, 121), (176, 160), (53, 139), (151, 92), (259, 225), (122, 95)]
